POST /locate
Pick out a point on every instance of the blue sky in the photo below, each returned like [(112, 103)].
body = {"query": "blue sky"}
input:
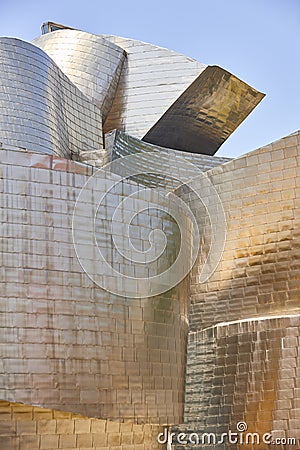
[(257, 40)]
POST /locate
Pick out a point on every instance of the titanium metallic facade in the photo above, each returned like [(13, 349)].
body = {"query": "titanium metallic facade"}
[(243, 345), (91, 62), (70, 345), (40, 108), (82, 367), (170, 100)]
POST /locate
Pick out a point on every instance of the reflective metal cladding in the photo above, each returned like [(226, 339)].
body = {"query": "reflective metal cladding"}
[(206, 113), (146, 283), (40, 108), (91, 62)]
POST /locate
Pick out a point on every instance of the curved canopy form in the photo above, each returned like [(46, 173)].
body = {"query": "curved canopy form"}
[(152, 79), (152, 93), (40, 108), (91, 62), (206, 114)]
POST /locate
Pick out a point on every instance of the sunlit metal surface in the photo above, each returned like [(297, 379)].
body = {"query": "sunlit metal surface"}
[(242, 355), (152, 79), (119, 144), (244, 372), (33, 428), (258, 274), (72, 347), (173, 101), (91, 62), (206, 114), (123, 145), (40, 109)]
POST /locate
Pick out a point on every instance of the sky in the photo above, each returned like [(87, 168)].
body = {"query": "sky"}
[(256, 40)]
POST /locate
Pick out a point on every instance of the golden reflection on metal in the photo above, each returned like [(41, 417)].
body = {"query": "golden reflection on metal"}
[(206, 114), (242, 362), (70, 347)]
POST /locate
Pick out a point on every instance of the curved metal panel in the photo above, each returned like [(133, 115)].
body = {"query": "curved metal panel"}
[(242, 356), (33, 428), (40, 109), (206, 114), (163, 97), (258, 274), (173, 101), (70, 345), (152, 79), (91, 62), (244, 372), (119, 144)]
